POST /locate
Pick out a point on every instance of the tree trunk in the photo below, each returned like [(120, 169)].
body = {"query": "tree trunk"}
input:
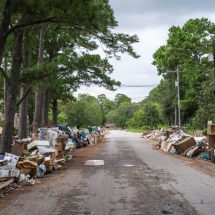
[(24, 91), (55, 111), (5, 82), (7, 12), (45, 108), (39, 92), (12, 90), (38, 109), (23, 114)]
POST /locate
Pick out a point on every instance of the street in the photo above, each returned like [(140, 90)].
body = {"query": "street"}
[(135, 179)]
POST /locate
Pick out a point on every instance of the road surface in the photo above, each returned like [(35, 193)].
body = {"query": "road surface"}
[(134, 180)]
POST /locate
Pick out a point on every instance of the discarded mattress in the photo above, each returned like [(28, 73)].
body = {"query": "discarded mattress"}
[(45, 150), (36, 143)]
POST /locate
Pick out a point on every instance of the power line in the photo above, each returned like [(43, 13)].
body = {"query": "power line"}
[(137, 86)]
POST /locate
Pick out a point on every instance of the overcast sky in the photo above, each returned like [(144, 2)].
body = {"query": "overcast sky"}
[(150, 20)]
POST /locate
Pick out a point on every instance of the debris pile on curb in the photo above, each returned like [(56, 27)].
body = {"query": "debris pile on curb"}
[(31, 158), (176, 141)]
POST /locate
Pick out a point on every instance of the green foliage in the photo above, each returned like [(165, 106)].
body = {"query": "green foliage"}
[(73, 29), (122, 112), (88, 110), (121, 98), (106, 106), (187, 49), (62, 118), (146, 116), (84, 112), (135, 130), (137, 120)]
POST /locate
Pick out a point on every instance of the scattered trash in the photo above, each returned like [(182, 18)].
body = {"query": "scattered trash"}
[(184, 144), (176, 141), (45, 152), (204, 156)]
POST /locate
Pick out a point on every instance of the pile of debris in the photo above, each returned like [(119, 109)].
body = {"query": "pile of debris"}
[(176, 141), (44, 152)]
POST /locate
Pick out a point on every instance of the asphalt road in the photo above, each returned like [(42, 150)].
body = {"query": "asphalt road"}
[(135, 179)]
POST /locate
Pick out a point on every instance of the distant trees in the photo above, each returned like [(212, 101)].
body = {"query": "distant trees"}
[(84, 111), (147, 115), (121, 114), (106, 106), (88, 110)]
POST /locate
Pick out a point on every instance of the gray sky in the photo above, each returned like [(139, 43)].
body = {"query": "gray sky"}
[(150, 20)]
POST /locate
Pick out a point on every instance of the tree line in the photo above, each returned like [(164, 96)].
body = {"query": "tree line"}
[(98, 111), (47, 50)]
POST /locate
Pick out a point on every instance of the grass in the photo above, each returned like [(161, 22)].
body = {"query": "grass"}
[(136, 130)]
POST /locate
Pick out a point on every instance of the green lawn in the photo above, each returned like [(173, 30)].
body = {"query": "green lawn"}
[(136, 130)]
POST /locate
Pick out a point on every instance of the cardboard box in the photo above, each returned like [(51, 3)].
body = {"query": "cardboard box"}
[(211, 141), (60, 144), (199, 133), (35, 137), (211, 129), (184, 144), (28, 167), (56, 151), (17, 149)]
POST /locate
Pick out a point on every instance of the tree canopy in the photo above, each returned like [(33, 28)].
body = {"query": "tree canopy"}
[(48, 50), (187, 50)]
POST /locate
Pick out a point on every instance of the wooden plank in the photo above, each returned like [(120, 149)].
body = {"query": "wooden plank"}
[(6, 183)]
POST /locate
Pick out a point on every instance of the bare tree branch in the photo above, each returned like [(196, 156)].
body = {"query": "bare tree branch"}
[(24, 96), (50, 19)]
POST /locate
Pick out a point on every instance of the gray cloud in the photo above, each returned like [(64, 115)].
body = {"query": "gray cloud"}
[(150, 20), (135, 14), (161, 6)]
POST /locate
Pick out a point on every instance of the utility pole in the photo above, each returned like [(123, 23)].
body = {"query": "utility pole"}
[(179, 105), (175, 114), (178, 112), (213, 41)]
